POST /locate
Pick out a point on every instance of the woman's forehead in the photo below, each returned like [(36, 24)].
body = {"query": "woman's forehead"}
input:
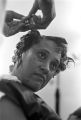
[(49, 45)]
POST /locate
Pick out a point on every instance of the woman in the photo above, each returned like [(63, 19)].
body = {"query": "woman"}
[(37, 60)]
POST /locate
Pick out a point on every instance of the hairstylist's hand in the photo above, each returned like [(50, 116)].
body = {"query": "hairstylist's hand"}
[(13, 23), (76, 115), (11, 15)]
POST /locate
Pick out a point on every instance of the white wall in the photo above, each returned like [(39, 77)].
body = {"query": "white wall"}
[(66, 24)]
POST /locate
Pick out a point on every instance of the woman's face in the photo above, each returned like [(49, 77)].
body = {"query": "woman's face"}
[(39, 64)]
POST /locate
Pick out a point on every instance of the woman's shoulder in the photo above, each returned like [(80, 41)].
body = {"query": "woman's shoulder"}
[(9, 110)]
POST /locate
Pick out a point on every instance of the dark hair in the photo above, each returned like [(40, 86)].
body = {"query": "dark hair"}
[(33, 37)]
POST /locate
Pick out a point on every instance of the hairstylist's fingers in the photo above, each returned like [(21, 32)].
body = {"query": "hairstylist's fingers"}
[(25, 19), (24, 28)]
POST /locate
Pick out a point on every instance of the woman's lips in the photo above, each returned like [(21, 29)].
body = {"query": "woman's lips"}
[(42, 77)]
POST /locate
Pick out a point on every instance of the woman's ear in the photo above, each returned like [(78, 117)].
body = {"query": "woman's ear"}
[(11, 68), (19, 61)]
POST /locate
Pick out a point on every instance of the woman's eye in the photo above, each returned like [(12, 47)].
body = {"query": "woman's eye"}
[(42, 55)]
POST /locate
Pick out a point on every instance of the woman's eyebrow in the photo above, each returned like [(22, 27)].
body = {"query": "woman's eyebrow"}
[(43, 49)]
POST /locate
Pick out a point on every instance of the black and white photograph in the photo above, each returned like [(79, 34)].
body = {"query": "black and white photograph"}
[(40, 59)]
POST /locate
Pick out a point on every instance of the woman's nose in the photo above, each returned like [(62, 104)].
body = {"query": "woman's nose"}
[(45, 68)]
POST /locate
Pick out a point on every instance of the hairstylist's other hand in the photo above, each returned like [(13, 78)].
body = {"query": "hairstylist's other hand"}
[(76, 115)]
